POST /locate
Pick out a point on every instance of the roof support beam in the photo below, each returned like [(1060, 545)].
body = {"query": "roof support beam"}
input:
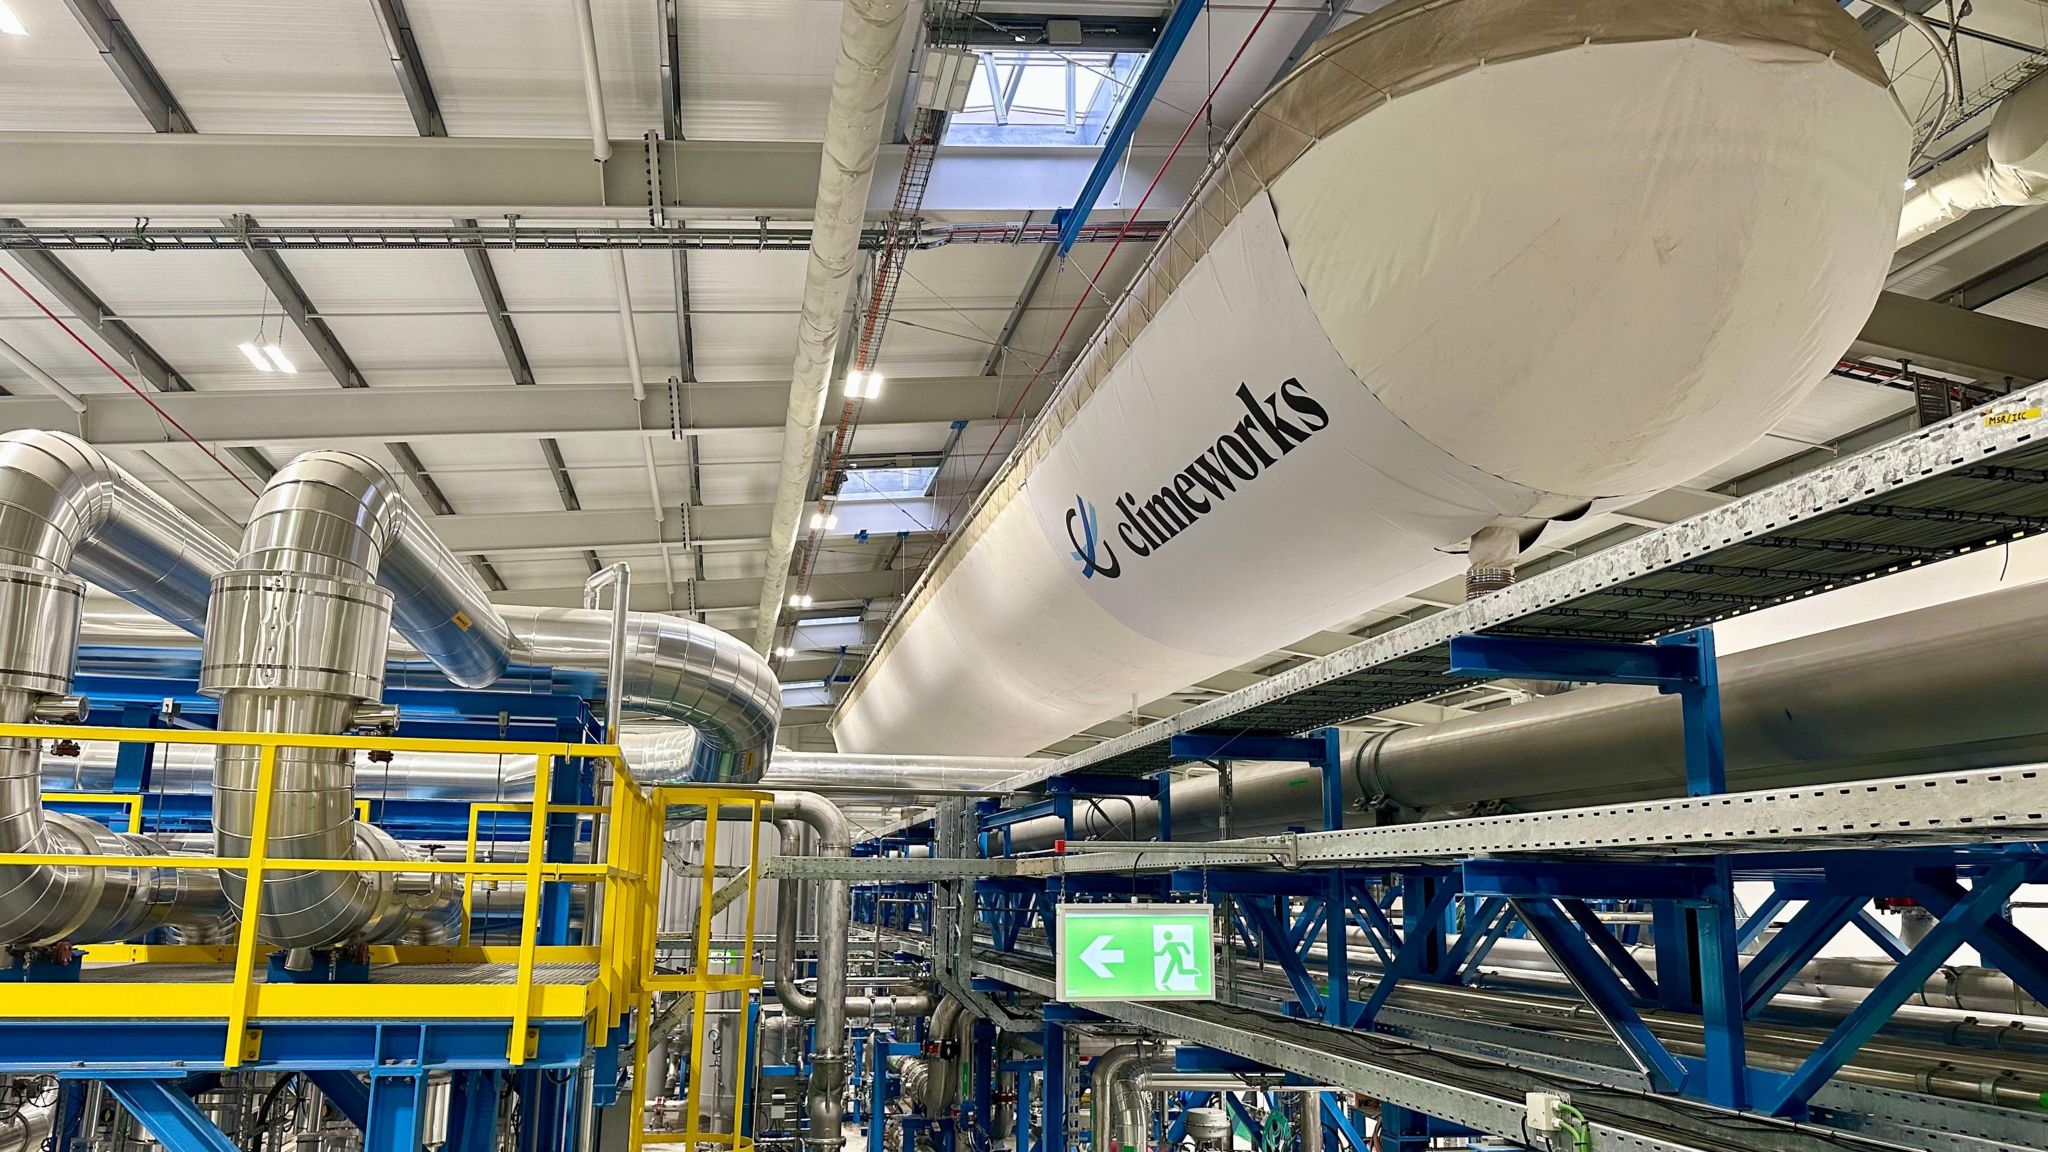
[(152, 97), (91, 311), (2001, 281), (626, 528), (405, 61), (270, 267), (721, 595), (1951, 339), (994, 364), (323, 416), (312, 177)]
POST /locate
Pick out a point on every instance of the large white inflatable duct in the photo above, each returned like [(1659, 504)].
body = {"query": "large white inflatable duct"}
[(1475, 262), (2009, 167)]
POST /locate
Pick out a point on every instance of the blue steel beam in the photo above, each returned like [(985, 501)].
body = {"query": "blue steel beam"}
[(170, 1116), (2002, 945), (1798, 942), (1118, 138), (1602, 938), (1957, 925), (1602, 991), (348, 1093)]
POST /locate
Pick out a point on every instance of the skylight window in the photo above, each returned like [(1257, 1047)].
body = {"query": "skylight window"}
[(886, 483), (1043, 97)]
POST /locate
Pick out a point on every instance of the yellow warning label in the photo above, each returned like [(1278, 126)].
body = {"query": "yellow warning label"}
[(2012, 416), (462, 620)]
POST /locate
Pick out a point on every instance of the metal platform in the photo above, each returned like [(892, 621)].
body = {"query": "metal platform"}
[(1976, 480), (1479, 1094), (1986, 806)]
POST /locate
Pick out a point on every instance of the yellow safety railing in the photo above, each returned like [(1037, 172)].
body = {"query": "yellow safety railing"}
[(702, 983), (132, 801), (626, 882)]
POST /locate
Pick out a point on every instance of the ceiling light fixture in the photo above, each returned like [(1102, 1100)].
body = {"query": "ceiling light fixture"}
[(785, 652), (800, 600), (823, 520), (276, 355), (1910, 182), (256, 357), (863, 385), (10, 24)]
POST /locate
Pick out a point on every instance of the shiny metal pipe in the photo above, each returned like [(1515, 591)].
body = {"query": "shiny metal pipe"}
[(295, 643), (835, 918), (676, 669), (1152, 1082), (65, 511), (1940, 688)]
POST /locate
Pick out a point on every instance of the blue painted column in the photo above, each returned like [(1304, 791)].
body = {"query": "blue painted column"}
[(982, 1124), (398, 1113), (1053, 1108), (472, 1111)]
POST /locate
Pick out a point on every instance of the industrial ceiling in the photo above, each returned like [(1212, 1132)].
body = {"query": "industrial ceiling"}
[(179, 178)]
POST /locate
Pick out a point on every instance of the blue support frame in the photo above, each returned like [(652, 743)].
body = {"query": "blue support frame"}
[(169, 1114), (1114, 142)]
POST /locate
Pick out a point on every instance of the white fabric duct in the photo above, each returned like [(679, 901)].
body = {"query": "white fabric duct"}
[(1476, 263), (2009, 167), (868, 35)]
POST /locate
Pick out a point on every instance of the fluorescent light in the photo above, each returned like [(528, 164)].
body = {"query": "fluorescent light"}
[(817, 521), (853, 385), (255, 357), (276, 355), (863, 385), (10, 24), (874, 385), (1910, 182), (802, 600), (785, 651)]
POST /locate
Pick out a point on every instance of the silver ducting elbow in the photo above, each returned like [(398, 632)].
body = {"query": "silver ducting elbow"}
[(65, 508), (296, 640), (676, 669)]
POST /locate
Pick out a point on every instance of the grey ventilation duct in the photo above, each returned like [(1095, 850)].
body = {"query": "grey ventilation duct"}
[(66, 511)]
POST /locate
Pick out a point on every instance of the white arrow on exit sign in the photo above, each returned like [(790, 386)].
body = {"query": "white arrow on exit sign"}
[(1098, 956)]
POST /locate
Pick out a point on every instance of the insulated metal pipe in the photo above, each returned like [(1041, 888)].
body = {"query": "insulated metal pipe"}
[(66, 511), (295, 643), (835, 918), (1940, 688), (869, 31)]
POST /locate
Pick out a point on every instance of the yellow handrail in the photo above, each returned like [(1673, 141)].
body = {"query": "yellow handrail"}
[(623, 951)]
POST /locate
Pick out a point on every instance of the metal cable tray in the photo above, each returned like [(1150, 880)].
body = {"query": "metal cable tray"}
[(1975, 480)]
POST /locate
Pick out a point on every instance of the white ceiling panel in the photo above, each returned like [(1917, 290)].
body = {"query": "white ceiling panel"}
[(744, 346), (724, 280), (385, 281), (757, 95), (54, 77), (515, 68), (273, 65), (428, 351), (538, 570), (538, 280), (738, 483)]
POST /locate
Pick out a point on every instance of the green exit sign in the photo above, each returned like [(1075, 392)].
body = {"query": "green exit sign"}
[(1135, 952)]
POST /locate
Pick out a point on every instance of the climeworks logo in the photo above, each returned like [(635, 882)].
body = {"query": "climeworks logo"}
[(1240, 456)]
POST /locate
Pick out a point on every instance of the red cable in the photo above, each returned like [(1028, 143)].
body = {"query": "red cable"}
[(154, 406), (1106, 258)]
